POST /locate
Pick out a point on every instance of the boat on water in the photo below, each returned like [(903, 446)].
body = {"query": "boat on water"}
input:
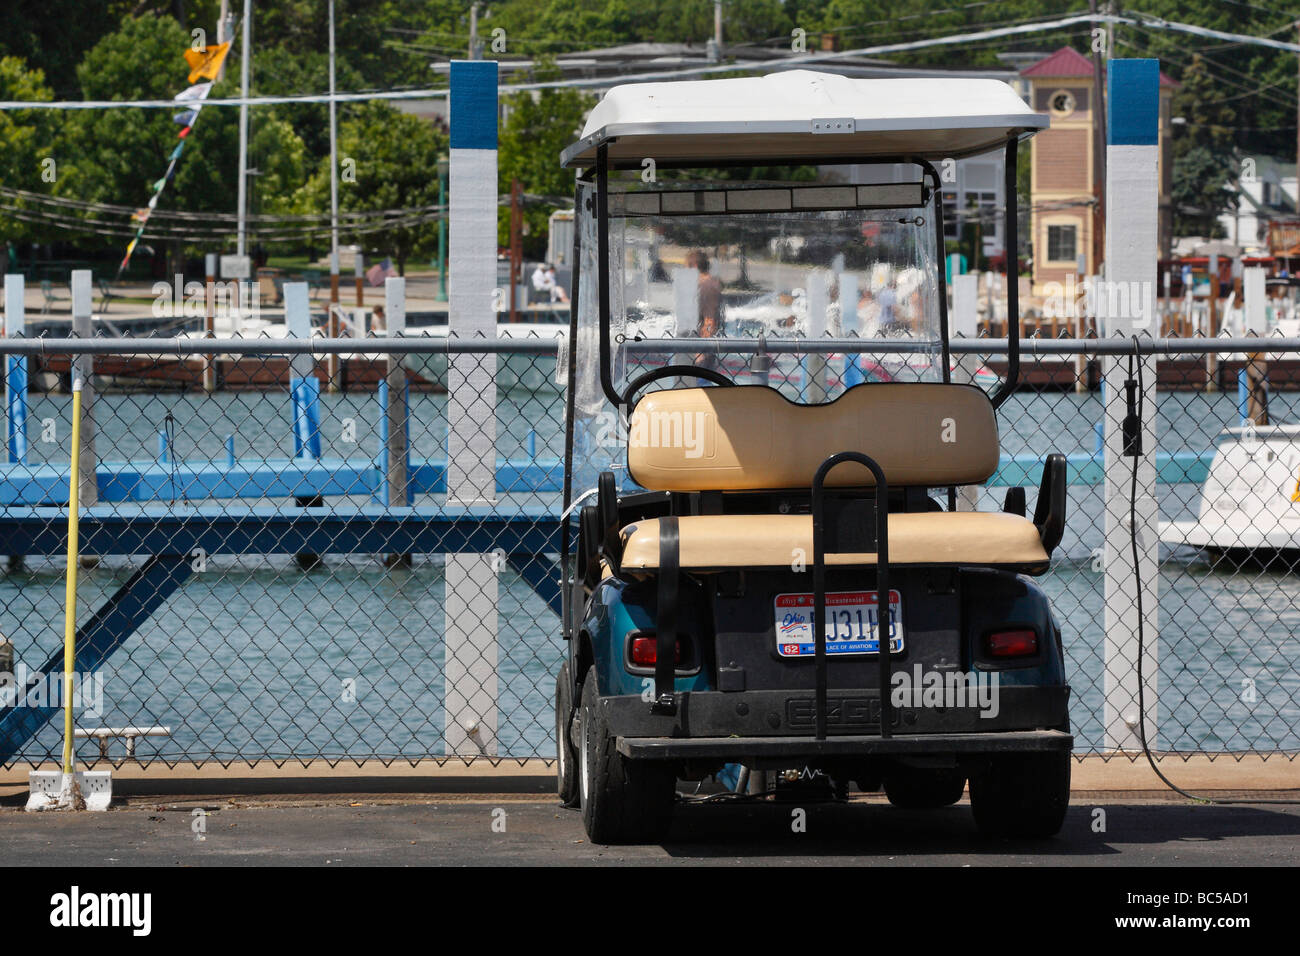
[(1250, 502)]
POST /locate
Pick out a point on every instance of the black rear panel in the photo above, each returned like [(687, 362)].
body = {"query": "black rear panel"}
[(745, 625)]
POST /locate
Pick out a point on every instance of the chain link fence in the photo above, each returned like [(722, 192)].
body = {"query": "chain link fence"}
[(273, 568)]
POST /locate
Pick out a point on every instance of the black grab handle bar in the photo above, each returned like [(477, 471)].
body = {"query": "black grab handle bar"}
[(882, 583)]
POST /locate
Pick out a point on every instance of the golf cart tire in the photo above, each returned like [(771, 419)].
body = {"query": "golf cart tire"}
[(1022, 795), (566, 758), (623, 800), (914, 788)]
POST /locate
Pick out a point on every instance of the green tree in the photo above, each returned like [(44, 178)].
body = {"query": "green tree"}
[(115, 156), (27, 158), (537, 129), (394, 158), (1205, 161)]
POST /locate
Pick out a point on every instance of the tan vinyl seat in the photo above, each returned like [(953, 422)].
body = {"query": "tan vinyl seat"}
[(751, 438), (719, 542)]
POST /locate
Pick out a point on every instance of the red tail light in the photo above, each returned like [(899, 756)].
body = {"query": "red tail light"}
[(645, 651), (1021, 643)]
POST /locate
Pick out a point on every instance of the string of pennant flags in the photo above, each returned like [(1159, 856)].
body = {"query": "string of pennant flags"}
[(205, 64)]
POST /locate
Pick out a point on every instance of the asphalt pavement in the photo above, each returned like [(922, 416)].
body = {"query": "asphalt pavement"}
[(523, 830)]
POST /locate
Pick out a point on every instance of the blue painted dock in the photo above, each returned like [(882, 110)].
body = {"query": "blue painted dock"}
[(143, 481), (153, 480)]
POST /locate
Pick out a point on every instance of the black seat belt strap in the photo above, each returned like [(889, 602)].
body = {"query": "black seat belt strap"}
[(666, 617)]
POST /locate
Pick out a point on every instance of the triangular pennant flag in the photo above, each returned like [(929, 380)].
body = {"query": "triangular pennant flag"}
[(153, 200), (130, 246), (197, 92), (185, 132), (157, 187), (206, 63), (185, 119), (176, 153), (142, 215)]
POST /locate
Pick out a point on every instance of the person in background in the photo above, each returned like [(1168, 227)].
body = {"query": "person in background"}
[(710, 305), (557, 291), (378, 323), (888, 301), (542, 282)]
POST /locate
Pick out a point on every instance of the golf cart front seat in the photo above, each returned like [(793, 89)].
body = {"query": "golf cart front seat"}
[(751, 438)]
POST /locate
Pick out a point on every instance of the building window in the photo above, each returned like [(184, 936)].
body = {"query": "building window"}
[(951, 220), (1061, 246)]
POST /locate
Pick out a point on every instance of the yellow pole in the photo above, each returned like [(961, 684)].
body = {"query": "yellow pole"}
[(70, 600)]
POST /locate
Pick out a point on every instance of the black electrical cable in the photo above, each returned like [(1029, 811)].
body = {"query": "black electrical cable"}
[(1136, 357)]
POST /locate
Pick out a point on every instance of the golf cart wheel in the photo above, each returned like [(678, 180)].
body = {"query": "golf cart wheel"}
[(566, 759), (1022, 795), (623, 801), (924, 788)]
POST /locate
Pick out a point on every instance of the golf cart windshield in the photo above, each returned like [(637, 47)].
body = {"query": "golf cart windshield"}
[(851, 255)]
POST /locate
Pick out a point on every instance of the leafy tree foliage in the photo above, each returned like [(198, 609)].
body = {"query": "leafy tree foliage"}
[(395, 159)]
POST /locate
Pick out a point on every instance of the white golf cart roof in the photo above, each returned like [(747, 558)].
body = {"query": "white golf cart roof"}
[(801, 115)]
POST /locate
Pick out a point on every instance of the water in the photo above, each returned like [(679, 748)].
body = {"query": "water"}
[(254, 657)]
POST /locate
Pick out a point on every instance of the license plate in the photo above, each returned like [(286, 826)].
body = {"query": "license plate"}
[(852, 624)]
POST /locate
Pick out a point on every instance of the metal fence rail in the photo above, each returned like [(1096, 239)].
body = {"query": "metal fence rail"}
[(273, 571)]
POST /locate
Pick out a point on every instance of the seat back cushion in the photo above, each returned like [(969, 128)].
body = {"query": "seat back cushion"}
[(750, 437)]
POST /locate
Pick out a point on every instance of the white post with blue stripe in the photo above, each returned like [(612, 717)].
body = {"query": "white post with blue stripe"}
[(304, 387), (16, 372), (1129, 300), (470, 668)]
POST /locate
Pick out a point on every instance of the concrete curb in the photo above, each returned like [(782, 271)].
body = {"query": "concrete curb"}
[(1093, 774)]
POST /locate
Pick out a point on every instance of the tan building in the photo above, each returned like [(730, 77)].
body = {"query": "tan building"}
[(1062, 175)]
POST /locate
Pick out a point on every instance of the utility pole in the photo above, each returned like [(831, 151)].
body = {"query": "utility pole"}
[(332, 322), (225, 32), (717, 27), (1098, 147), (245, 54)]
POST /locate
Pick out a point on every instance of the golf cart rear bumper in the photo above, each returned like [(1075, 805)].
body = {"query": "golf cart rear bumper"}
[(735, 749), (852, 713)]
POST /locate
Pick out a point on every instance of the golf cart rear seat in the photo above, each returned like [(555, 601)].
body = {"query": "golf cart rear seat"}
[(718, 542), (751, 438)]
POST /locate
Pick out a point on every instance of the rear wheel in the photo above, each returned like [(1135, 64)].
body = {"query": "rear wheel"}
[(623, 801), (566, 759), (1022, 795), (924, 788)]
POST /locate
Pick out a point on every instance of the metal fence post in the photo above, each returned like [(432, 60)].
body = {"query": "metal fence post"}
[(396, 414), (963, 321), (16, 371), (818, 298), (84, 366), (1132, 190), (1255, 313), (210, 318), (470, 671), (304, 398)]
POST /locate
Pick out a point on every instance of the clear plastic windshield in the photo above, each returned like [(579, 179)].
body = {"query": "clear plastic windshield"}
[(784, 261)]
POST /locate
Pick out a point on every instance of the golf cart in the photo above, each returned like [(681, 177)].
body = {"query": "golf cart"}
[(716, 517)]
